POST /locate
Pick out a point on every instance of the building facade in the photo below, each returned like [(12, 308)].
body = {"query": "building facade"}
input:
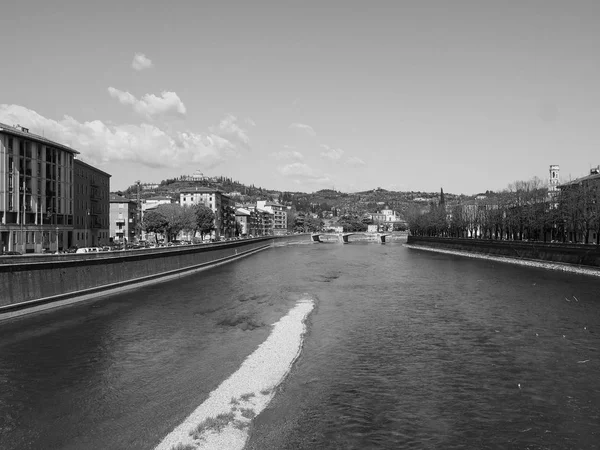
[(221, 205), (579, 200), (279, 215), (36, 192), (91, 206), (123, 219)]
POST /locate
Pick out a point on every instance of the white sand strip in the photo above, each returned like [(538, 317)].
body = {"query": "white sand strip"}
[(523, 262), (226, 414)]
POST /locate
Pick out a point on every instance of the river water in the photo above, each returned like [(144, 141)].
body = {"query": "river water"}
[(404, 349)]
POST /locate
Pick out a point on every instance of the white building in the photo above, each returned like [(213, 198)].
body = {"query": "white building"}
[(221, 205), (279, 215)]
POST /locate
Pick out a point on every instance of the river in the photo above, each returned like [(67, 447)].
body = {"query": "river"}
[(404, 349)]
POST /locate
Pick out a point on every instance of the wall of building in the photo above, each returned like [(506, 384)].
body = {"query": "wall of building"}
[(91, 206), (36, 192), (123, 219), (586, 255)]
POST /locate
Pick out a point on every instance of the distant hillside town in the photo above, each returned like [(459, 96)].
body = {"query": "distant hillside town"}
[(51, 201)]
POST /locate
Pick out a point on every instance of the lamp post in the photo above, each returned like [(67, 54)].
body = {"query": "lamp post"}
[(87, 218), (57, 240)]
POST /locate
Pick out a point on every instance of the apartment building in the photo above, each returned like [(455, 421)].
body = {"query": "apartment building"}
[(123, 219), (36, 192), (91, 205), (221, 205), (279, 215)]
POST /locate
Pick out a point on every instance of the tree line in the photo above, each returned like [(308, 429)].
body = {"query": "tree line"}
[(171, 218), (525, 210)]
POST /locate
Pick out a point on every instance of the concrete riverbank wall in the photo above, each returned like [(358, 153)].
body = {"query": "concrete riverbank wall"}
[(29, 281), (583, 255)]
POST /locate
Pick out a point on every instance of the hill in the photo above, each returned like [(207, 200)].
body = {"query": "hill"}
[(318, 202)]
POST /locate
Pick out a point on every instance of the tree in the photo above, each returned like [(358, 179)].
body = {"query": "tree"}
[(176, 218), (352, 223), (204, 219), (313, 224), (154, 222)]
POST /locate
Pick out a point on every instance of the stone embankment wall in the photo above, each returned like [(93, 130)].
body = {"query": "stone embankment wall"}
[(585, 255), (31, 280)]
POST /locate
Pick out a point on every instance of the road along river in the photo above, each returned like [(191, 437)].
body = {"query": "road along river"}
[(400, 348)]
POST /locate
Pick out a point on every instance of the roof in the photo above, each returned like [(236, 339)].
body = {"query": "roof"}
[(590, 177), (114, 198), (242, 212), (34, 137), (200, 190), (80, 162)]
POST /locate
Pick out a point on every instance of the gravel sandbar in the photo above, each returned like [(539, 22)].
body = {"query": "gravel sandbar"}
[(222, 421)]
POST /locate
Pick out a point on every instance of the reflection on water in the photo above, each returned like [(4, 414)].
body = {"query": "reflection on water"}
[(405, 349)]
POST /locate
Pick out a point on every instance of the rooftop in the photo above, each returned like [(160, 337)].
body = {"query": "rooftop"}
[(23, 132), (200, 190), (78, 161), (594, 175), (114, 198)]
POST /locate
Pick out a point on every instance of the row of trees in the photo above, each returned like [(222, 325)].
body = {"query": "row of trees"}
[(170, 219), (525, 210)]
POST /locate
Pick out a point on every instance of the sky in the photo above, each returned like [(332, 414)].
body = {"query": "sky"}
[(418, 95)]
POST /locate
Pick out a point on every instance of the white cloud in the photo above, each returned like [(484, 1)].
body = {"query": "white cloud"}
[(355, 161), (150, 105), (228, 128), (144, 144), (333, 154), (141, 62), (288, 153), (303, 173), (306, 128)]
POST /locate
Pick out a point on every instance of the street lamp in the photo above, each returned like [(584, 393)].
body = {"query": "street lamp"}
[(57, 240)]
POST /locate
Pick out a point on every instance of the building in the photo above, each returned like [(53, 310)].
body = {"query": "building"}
[(554, 179), (221, 205), (279, 215), (579, 199), (36, 192), (91, 205), (265, 220), (123, 219), (244, 218)]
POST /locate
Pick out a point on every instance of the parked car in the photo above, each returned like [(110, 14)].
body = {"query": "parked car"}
[(11, 253), (87, 250)]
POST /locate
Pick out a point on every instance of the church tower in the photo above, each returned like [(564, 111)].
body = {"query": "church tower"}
[(554, 180)]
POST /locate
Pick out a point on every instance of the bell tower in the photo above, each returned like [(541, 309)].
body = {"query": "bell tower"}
[(554, 180)]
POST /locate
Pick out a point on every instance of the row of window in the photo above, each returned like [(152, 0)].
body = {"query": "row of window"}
[(86, 235), (88, 174), (26, 150)]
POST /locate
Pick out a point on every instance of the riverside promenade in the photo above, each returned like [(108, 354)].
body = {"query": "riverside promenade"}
[(36, 282), (554, 255)]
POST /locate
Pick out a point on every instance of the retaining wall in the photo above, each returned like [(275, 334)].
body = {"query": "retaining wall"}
[(30, 280), (584, 255)]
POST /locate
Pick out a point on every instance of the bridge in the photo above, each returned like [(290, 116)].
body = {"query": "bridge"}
[(344, 237)]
